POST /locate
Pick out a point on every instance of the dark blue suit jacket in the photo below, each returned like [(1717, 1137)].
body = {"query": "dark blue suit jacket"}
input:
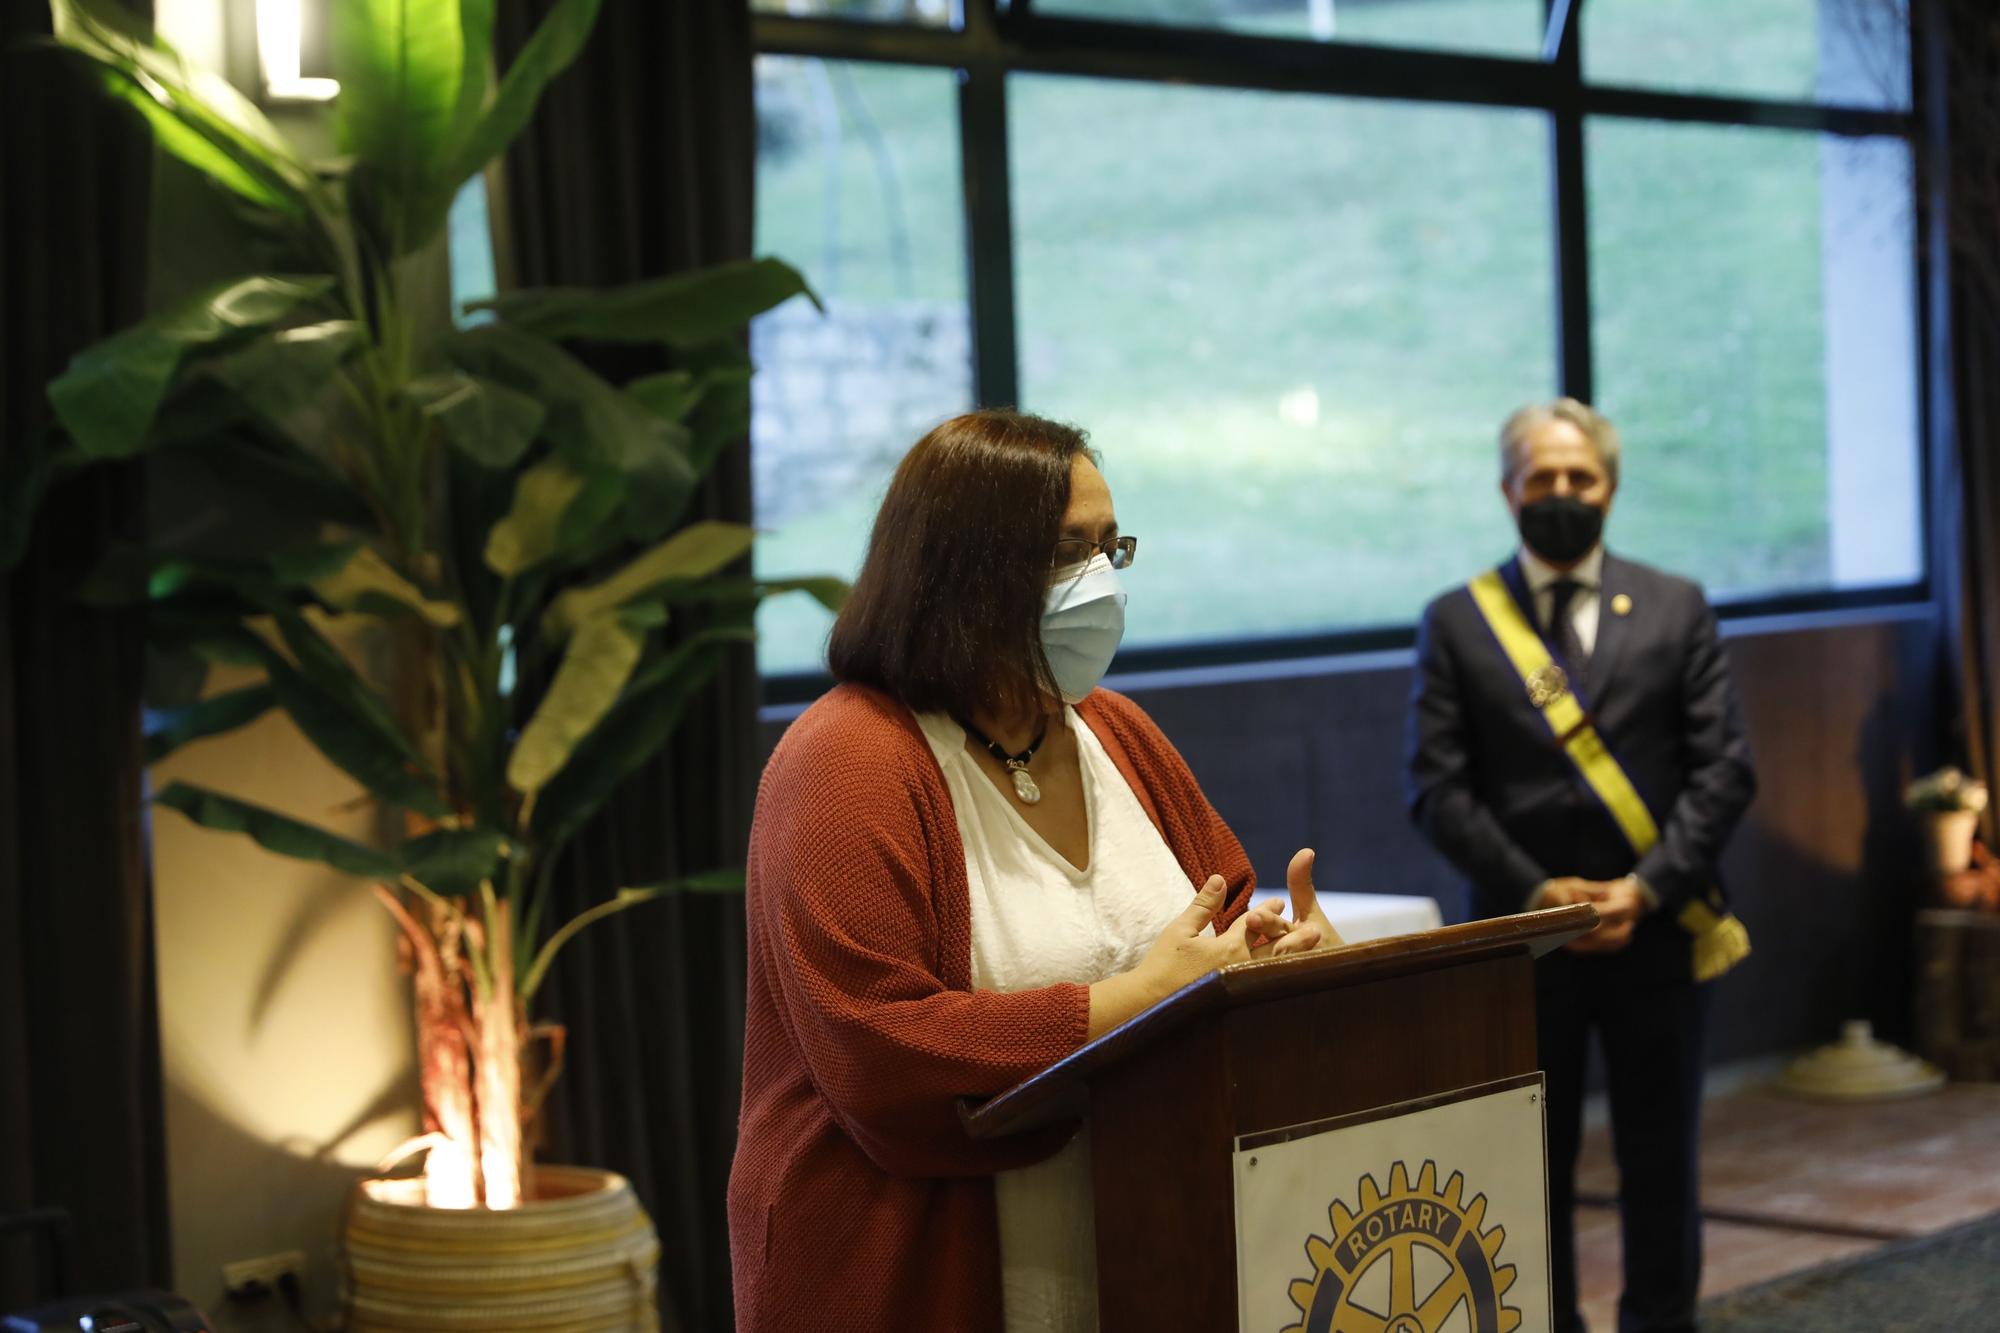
[(1490, 788)]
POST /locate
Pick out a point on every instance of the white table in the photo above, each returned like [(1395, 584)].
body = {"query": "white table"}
[(1374, 916)]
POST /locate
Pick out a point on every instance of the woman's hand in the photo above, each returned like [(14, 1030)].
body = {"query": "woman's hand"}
[(1183, 953), (1306, 913)]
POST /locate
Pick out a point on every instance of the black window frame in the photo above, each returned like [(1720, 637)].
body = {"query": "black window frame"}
[(987, 40)]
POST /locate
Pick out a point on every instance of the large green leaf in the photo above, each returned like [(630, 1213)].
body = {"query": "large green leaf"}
[(590, 423), (400, 64), (218, 640), (276, 373), (254, 466), (632, 733), (599, 660), (671, 393), (547, 53), (487, 422), (196, 114), (684, 310), (303, 564), (364, 581), (344, 718), (128, 573), (695, 552), (452, 862), (169, 729), (340, 727), (720, 418), (828, 591), (110, 394), (475, 25), (219, 161), (277, 833), (532, 529)]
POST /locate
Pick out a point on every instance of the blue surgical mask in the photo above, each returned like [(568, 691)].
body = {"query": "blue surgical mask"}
[(1082, 624)]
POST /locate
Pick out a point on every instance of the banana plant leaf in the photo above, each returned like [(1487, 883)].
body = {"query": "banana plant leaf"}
[(590, 423), (109, 396), (344, 718), (685, 310), (128, 572), (400, 64), (195, 114), (364, 581), (720, 418), (277, 833), (168, 730), (252, 466), (453, 862), (828, 591), (631, 733), (489, 423), (695, 552), (556, 511), (547, 53), (339, 726), (671, 393), (600, 658), (279, 372)]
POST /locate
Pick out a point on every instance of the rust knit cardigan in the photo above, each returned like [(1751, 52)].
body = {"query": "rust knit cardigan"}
[(856, 1202)]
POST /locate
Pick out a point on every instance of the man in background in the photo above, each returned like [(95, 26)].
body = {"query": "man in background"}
[(1574, 738)]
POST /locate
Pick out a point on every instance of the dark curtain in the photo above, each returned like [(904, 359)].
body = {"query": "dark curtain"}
[(80, 1117), (1959, 49), (639, 164)]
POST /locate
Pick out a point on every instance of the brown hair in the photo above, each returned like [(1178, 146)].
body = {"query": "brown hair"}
[(946, 612)]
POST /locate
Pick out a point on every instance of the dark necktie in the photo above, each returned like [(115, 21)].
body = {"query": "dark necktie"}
[(1562, 627)]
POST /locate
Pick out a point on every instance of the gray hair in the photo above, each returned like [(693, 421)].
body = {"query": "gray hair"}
[(1602, 435)]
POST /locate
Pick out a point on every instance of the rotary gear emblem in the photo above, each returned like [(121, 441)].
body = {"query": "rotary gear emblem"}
[(1408, 1261)]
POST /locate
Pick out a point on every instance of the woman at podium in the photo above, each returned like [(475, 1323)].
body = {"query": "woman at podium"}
[(967, 860)]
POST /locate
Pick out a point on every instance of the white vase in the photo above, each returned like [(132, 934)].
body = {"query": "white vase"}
[(1948, 840)]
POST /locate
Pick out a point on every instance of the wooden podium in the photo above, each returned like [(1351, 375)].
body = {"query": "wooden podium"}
[(1276, 1050)]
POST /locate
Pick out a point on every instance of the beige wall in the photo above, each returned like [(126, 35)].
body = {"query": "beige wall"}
[(285, 1026), (284, 1023)]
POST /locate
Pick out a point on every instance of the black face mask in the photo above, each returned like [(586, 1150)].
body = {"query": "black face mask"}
[(1561, 529)]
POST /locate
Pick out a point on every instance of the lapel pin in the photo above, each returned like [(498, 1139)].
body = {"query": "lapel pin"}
[(1621, 605)]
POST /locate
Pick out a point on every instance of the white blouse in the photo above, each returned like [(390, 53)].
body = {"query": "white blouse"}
[(1038, 920)]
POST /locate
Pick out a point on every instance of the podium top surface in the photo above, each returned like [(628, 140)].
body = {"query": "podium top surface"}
[(1056, 1091)]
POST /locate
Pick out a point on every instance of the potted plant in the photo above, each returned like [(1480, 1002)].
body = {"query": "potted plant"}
[(512, 524), (1949, 804)]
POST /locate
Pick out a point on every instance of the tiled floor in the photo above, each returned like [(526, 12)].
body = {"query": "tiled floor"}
[(1788, 1184)]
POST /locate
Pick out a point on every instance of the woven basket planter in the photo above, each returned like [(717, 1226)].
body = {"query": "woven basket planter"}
[(580, 1257)]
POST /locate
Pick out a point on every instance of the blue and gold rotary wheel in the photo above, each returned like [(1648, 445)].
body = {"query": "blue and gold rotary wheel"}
[(1411, 1260)]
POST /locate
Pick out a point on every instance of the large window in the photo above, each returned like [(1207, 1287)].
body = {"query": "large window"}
[(858, 183), (1290, 262), (1284, 343)]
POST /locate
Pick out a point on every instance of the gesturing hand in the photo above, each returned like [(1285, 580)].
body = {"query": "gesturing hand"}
[(1183, 953), (1306, 912)]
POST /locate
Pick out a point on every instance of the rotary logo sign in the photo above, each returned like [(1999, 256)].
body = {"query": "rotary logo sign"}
[(1412, 1260), (1428, 1216)]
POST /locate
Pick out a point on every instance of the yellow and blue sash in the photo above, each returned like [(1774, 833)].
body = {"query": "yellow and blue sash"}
[(1720, 941)]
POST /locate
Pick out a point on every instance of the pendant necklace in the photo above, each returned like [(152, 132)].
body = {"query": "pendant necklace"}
[(1017, 764)]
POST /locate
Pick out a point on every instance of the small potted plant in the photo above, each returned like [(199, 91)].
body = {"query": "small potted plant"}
[(1948, 803)]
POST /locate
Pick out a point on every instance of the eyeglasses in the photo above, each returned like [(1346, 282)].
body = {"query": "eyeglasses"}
[(1071, 551)]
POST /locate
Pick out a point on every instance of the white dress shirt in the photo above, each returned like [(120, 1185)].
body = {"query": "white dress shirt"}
[(1583, 603)]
